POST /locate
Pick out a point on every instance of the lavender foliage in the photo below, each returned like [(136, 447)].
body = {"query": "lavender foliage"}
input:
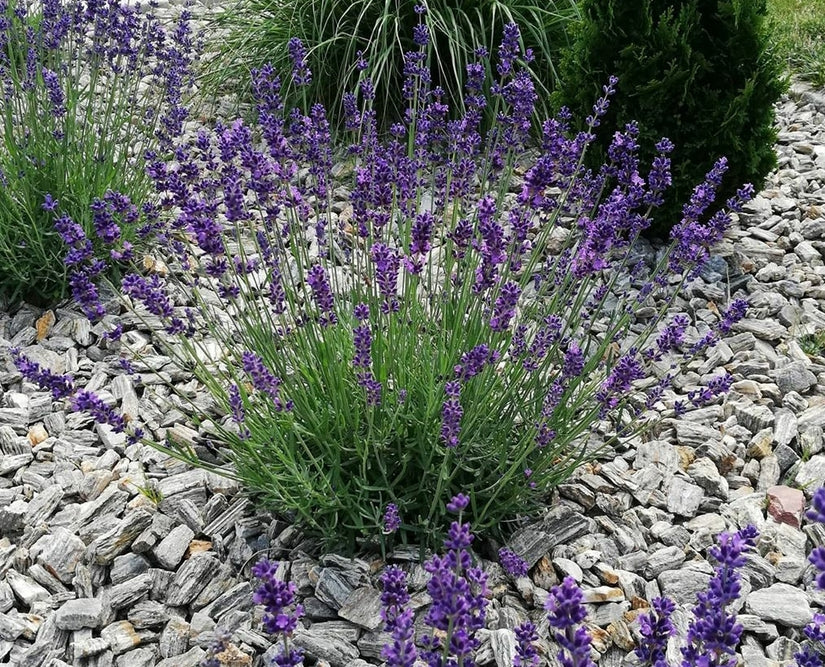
[(436, 332)]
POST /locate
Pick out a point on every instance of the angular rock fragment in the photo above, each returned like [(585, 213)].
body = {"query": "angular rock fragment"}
[(192, 577), (781, 604), (114, 542), (80, 613), (171, 548)]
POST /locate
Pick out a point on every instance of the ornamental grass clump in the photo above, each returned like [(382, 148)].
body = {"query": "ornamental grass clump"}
[(462, 316), (341, 35), (87, 86)]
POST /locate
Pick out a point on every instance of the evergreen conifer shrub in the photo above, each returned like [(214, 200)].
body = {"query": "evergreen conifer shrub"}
[(700, 72)]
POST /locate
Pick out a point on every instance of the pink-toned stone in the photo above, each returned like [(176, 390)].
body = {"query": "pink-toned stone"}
[(786, 505)]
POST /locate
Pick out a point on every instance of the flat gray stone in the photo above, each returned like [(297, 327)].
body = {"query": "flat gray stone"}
[(117, 540), (80, 613), (795, 377), (363, 607), (811, 473), (169, 552), (60, 552), (684, 498), (192, 577), (781, 604), (27, 590)]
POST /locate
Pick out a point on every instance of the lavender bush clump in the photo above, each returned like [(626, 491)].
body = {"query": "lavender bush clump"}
[(462, 323), (85, 86)]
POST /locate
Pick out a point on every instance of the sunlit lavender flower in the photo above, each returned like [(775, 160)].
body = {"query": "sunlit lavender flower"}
[(86, 401), (458, 593), (318, 281), (398, 619), (237, 411), (56, 96), (61, 386), (474, 361), (505, 306), (573, 362), (362, 339), (264, 380)]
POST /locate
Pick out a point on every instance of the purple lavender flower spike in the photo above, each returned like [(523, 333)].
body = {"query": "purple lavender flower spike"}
[(318, 281), (513, 564), (451, 414), (714, 634), (264, 380), (655, 629), (505, 307), (61, 386), (89, 402), (458, 593), (398, 619), (817, 510), (458, 503), (392, 520), (301, 74), (526, 653), (281, 617), (566, 613)]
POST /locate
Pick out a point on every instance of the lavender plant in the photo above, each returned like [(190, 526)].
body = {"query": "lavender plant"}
[(461, 323), (87, 86)]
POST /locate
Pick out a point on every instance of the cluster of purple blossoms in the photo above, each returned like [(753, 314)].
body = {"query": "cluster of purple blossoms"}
[(61, 386), (513, 564), (264, 380), (714, 633), (566, 613), (301, 74), (392, 520), (451, 414), (282, 614), (505, 307), (398, 619), (656, 628), (322, 293)]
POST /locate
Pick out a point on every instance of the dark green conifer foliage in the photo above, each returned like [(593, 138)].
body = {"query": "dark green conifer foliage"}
[(700, 72)]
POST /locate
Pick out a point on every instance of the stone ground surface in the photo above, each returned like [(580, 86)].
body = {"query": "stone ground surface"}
[(94, 572)]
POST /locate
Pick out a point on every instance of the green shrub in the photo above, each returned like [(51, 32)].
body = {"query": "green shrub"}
[(699, 72), (88, 87), (334, 31)]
